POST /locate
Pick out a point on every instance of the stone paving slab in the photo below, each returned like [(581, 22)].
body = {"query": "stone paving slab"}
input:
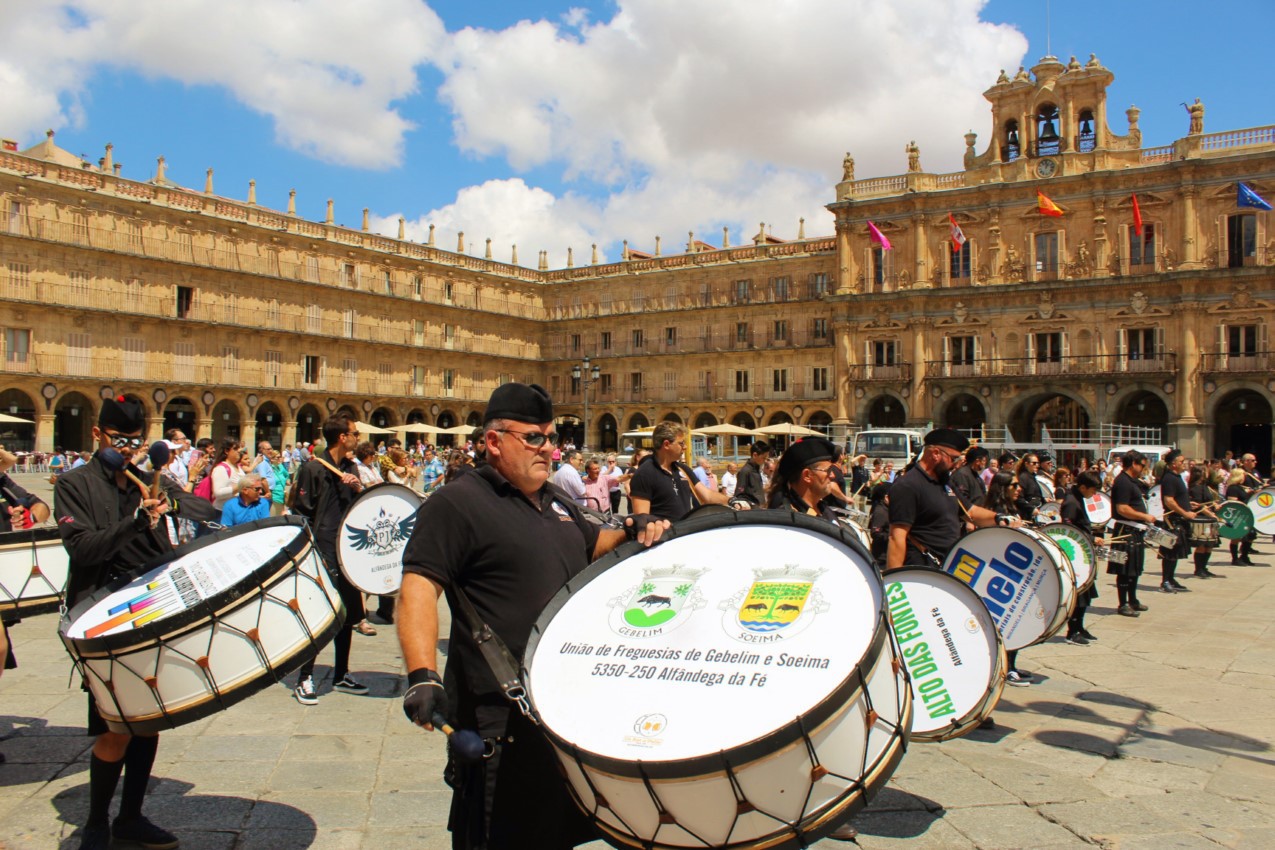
[(1158, 736)]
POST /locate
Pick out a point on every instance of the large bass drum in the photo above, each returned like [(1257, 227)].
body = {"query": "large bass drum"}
[(954, 654), (736, 686), (33, 571), (374, 533), (208, 625), (1079, 550), (1262, 505)]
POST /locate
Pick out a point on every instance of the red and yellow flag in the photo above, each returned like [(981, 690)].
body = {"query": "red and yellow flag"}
[(1047, 207), (1137, 216)]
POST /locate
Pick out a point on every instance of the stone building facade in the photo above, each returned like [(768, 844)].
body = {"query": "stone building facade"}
[(224, 317)]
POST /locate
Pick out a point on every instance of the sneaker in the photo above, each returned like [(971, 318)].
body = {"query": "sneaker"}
[(1077, 640), (845, 832), (1127, 610), (1179, 587), (1247, 561), (95, 838), (1166, 587), (304, 692), (1017, 679), (1138, 606), (1084, 633), (143, 833), (350, 686)]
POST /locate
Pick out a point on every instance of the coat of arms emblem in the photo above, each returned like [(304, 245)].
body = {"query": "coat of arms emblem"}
[(659, 602)]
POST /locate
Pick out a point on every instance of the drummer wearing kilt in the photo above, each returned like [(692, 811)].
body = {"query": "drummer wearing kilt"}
[(1128, 502), (505, 540), (109, 529), (1073, 513), (1177, 512)]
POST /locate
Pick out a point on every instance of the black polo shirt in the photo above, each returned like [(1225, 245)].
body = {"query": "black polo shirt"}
[(1172, 486), (1126, 490), (670, 498), (510, 556), (1073, 512), (928, 508), (968, 487)]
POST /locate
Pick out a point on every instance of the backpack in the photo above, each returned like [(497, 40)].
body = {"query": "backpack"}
[(204, 488)]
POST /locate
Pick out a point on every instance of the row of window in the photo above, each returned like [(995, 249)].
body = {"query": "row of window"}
[(780, 330), (739, 381)]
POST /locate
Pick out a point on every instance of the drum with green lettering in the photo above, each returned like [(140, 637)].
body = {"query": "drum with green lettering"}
[(1236, 519)]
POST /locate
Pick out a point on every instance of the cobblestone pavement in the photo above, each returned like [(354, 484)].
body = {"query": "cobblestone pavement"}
[(1158, 736)]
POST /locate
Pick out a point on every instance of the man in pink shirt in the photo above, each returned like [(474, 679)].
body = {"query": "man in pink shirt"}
[(597, 487)]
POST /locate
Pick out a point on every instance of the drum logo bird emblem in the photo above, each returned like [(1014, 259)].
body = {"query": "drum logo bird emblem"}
[(385, 533)]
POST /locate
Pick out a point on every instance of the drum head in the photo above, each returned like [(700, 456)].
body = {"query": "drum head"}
[(190, 583), (1262, 504), (374, 533), (1236, 520), (1049, 512), (1046, 487), (1155, 505), (705, 648), (1098, 508), (1015, 573), (952, 651), (1078, 549)]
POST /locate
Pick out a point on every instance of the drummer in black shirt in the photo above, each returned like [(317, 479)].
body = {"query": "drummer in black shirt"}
[(1030, 496), (508, 541), (1128, 502), (13, 498), (1073, 513), (663, 485), (967, 481), (925, 517), (1202, 499), (1177, 511), (804, 480)]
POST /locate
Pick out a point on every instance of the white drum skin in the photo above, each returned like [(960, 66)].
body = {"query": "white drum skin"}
[(953, 653), (1046, 484), (1016, 573), (1098, 507), (374, 532), (1155, 505), (732, 649), (33, 570), (217, 641), (1079, 551), (1262, 504)]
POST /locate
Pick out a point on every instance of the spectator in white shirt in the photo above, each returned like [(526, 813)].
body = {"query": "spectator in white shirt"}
[(568, 475)]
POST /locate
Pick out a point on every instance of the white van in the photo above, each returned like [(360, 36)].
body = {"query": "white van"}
[(888, 444), (1154, 454)]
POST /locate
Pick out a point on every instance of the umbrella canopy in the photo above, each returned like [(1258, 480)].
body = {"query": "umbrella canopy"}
[(416, 428), (459, 430), (788, 429), (14, 420), (369, 428), (723, 430), (640, 432)]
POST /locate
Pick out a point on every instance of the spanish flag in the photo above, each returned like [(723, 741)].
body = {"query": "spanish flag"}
[(1046, 206)]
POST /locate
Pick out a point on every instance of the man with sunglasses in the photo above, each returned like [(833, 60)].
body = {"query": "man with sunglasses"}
[(804, 479), (109, 528), (664, 485), (508, 541)]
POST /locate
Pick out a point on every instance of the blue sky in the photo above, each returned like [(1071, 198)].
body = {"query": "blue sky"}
[(551, 124)]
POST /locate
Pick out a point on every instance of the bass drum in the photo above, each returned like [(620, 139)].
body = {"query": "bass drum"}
[(1235, 519), (954, 654), (1098, 509), (206, 626), (1079, 550), (1022, 577), (374, 533), (736, 686), (33, 571), (1262, 505)]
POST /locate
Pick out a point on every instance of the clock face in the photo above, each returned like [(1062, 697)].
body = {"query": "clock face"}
[(1046, 168)]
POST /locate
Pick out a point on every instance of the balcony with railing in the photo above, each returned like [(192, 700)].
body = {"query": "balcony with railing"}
[(1248, 363), (894, 373), (1081, 366), (692, 391)]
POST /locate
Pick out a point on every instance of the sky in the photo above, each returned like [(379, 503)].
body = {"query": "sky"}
[(555, 124)]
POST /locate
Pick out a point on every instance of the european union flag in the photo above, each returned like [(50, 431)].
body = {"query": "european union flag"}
[(1248, 198)]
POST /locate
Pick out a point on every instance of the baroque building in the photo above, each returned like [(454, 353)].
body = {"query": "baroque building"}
[(224, 317)]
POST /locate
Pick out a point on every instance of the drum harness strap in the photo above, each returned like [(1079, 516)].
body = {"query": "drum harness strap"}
[(497, 655)]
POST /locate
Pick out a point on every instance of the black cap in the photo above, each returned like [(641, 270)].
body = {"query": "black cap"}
[(804, 453), (520, 402), (949, 438), (120, 414)]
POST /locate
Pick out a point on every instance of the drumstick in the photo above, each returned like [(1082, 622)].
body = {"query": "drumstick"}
[(146, 491), (466, 743), (329, 466)]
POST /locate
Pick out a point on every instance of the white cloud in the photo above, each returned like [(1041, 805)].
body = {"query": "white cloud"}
[(328, 72)]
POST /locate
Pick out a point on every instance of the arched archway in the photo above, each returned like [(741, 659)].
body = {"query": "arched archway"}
[(887, 412), (780, 417), (965, 412), (1145, 409), (744, 420), (570, 430), (269, 424), (1058, 412), (309, 423), (180, 413), (638, 421), (17, 436), (705, 420), (446, 419), (383, 417), (414, 416), (1243, 424), (608, 433), (348, 410), (73, 420), (225, 421), (474, 419), (820, 420)]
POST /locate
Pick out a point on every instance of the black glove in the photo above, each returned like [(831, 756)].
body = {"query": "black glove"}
[(635, 523), (425, 696)]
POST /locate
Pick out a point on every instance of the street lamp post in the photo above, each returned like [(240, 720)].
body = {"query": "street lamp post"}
[(586, 373)]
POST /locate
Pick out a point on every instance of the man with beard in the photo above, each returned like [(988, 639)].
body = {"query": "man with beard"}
[(925, 519)]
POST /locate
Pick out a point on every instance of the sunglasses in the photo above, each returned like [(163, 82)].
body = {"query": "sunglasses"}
[(119, 441), (533, 439)]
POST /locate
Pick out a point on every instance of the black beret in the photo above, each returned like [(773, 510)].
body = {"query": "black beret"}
[(949, 438), (804, 453), (520, 402), (120, 414)]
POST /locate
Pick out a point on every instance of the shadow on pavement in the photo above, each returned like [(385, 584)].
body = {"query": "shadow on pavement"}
[(897, 814), (34, 750)]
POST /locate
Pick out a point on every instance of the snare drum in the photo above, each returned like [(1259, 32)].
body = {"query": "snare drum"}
[(1022, 577), (958, 677), (1098, 509), (1262, 505), (1235, 520), (207, 626), (1049, 513), (737, 685), (1201, 531), (1153, 537), (850, 524), (33, 571), (1110, 554), (374, 533), (1079, 550)]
